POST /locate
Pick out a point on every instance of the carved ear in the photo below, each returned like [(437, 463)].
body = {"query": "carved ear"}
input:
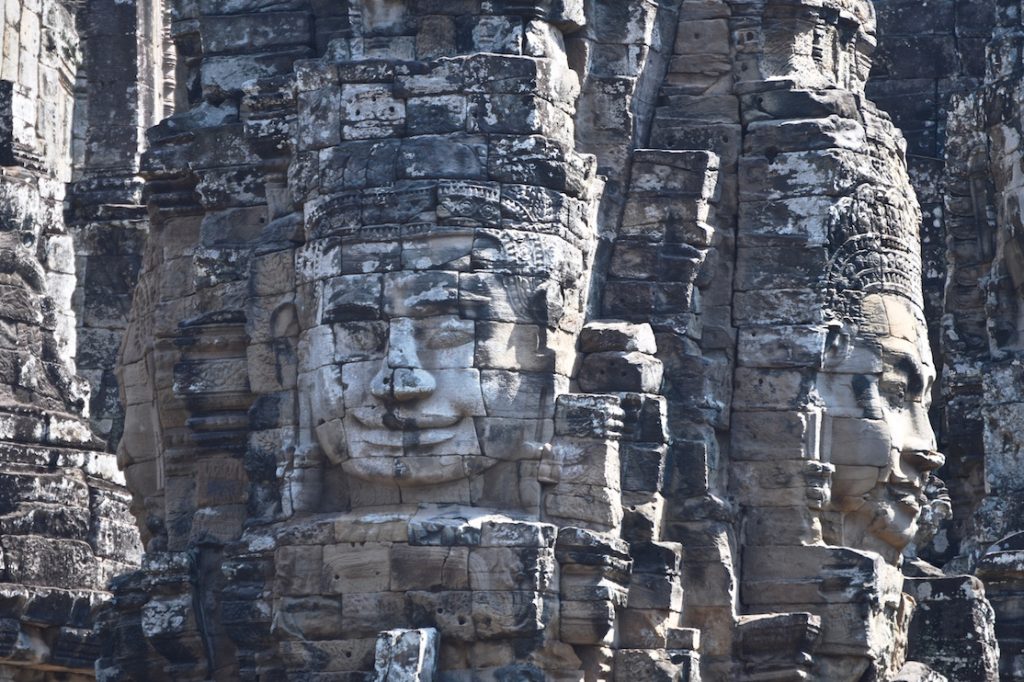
[(838, 341)]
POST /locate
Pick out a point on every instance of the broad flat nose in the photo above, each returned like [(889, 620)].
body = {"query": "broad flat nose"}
[(919, 436), (924, 461), (401, 379), (402, 384), (918, 455), (412, 384)]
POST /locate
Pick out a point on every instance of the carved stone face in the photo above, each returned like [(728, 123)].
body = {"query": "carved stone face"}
[(449, 361), (409, 414), (882, 444)]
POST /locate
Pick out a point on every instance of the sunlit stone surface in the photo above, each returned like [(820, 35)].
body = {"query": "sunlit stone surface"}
[(511, 340)]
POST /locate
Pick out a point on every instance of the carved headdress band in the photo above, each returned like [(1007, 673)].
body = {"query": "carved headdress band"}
[(873, 263)]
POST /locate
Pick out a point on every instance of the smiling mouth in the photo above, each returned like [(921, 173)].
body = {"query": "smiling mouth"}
[(391, 429), (907, 495)]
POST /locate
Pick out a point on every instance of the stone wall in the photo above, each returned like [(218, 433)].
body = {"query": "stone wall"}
[(387, 237), (121, 90), (511, 339), (982, 323), (64, 527), (926, 57)]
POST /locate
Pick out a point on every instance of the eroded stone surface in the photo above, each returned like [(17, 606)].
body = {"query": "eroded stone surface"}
[(65, 527), (570, 340)]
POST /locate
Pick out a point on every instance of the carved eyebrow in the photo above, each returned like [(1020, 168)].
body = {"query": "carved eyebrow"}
[(909, 366)]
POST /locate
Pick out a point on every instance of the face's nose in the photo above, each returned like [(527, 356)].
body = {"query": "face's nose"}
[(918, 435), (918, 455), (401, 377), (411, 384)]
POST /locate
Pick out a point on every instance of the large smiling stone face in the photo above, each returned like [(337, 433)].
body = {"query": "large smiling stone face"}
[(882, 443), (444, 358), (409, 414)]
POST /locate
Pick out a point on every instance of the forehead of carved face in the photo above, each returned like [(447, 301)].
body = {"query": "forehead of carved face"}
[(880, 439), (446, 362)]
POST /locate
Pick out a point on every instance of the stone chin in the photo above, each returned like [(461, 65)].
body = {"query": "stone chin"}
[(902, 506), (405, 450), (886, 520), (411, 471)]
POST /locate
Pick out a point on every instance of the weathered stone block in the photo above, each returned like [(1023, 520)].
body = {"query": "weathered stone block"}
[(499, 615), (781, 347), (598, 337), (407, 655), (337, 656), (448, 611), (429, 568), (355, 569), (370, 111), (617, 372), (421, 294), (366, 614), (298, 569), (761, 435), (586, 622), (643, 467), (511, 569), (512, 394), (588, 506), (537, 160), (442, 157)]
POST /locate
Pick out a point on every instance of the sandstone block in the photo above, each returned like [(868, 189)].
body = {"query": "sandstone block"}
[(645, 628), (643, 467), (654, 591), (589, 506), (513, 394), (366, 614), (588, 416), (355, 569), (309, 617), (599, 337), (586, 622), (498, 615), (511, 569), (370, 111), (760, 435), (429, 568), (331, 656), (298, 569), (407, 655), (442, 157), (517, 534), (449, 612)]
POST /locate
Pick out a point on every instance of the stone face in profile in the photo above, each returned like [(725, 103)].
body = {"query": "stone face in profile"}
[(451, 375), (877, 392)]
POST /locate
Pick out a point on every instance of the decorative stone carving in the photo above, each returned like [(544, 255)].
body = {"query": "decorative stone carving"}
[(563, 340), (880, 441)]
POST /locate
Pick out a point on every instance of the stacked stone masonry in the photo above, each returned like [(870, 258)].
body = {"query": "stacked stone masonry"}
[(65, 530), (501, 340)]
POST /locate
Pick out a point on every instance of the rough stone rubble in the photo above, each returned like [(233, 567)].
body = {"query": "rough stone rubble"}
[(511, 340)]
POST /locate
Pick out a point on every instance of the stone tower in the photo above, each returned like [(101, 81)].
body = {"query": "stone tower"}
[(511, 339), (64, 527)]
